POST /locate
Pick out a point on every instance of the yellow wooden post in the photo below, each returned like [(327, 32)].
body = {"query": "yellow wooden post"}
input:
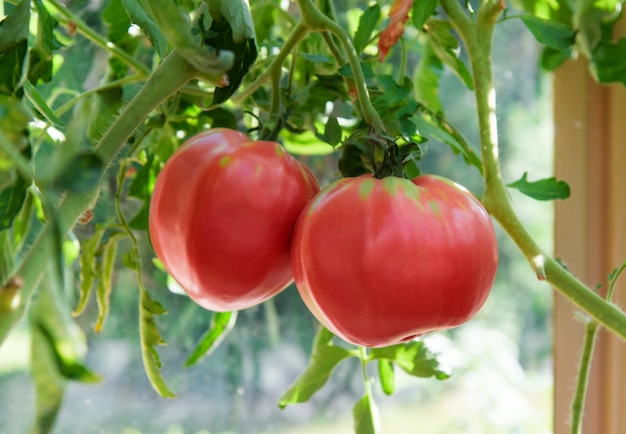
[(590, 237)]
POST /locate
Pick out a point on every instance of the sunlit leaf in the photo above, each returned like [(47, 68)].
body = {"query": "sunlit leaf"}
[(138, 16), (446, 47), (324, 359), (427, 76), (422, 10), (366, 416), (543, 189), (37, 100), (413, 357), (367, 24), (387, 376), (549, 32), (221, 324)]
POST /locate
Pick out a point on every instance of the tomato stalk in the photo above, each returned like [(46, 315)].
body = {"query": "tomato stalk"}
[(477, 36)]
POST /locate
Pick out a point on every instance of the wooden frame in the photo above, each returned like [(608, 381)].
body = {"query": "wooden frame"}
[(590, 237)]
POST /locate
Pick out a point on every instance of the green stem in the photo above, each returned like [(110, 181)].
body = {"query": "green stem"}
[(98, 40), (578, 404), (315, 20), (477, 37), (171, 75), (297, 34)]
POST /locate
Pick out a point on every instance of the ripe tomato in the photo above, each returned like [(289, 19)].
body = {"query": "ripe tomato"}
[(222, 216), (381, 261)]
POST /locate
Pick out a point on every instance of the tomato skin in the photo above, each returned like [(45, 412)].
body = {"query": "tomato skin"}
[(381, 261), (222, 216)]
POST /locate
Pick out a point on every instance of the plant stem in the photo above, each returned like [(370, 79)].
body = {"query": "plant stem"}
[(171, 75), (477, 37), (315, 20), (297, 34), (578, 404), (98, 40)]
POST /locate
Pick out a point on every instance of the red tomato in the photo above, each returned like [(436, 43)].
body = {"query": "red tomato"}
[(382, 261), (222, 216)]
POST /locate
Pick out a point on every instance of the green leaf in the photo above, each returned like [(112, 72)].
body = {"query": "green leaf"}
[(221, 37), (551, 58), (550, 33), (103, 290), (368, 71), (427, 76), (138, 16), (40, 104), (435, 128), (366, 416), (446, 47), (609, 62), (367, 24), (221, 324), (173, 22), (82, 173), (11, 201), (14, 27), (543, 189), (422, 10), (412, 357), (238, 15), (332, 131), (387, 376), (40, 61), (150, 337), (88, 268), (324, 359)]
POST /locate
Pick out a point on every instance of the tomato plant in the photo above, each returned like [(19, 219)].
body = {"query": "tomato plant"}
[(381, 261), (89, 89), (222, 215)]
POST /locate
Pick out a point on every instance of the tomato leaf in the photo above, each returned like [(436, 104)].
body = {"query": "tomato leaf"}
[(366, 416), (332, 131), (609, 62), (233, 32), (543, 189), (41, 53), (367, 24), (40, 104), (150, 337), (414, 357), (103, 289), (551, 33), (422, 10), (436, 128), (11, 201), (221, 324), (14, 46), (446, 47), (387, 376), (427, 78), (138, 16), (324, 359), (87, 263)]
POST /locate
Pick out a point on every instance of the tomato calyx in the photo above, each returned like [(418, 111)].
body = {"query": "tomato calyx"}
[(368, 152)]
